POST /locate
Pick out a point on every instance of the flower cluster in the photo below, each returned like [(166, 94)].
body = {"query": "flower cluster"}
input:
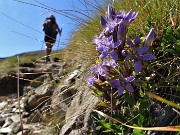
[(119, 56)]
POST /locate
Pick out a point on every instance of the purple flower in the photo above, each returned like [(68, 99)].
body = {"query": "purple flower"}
[(110, 13), (91, 80), (98, 70), (111, 63), (121, 21), (121, 33), (107, 47), (124, 22), (135, 45), (149, 38), (103, 22), (129, 17), (123, 83), (140, 56)]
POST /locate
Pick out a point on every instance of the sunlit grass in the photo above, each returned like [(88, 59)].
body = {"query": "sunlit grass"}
[(10, 64), (162, 15)]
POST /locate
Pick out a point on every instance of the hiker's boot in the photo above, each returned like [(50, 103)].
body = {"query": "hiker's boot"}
[(47, 59)]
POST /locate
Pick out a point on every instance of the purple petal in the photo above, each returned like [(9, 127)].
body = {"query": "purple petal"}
[(114, 55), (150, 37), (111, 63), (110, 39), (91, 80), (121, 33), (103, 55), (134, 15), (142, 50), (130, 42), (128, 16), (100, 48), (129, 87), (103, 22), (148, 57), (129, 79), (101, 71), (120, 90), (137, 41), (94, 70), (116, 44), (115, 83), (109, 14), (137, 66)]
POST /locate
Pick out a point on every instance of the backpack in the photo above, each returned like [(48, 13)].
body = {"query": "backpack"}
[(48, 26)]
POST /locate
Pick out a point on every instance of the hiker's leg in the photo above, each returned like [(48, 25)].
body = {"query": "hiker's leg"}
[(48, 48)]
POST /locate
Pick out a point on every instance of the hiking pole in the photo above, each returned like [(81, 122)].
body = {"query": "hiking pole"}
[(42, 45), (58, 42), (59, 39)]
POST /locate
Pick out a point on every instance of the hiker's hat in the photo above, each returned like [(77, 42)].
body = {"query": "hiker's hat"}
[(52, 17)]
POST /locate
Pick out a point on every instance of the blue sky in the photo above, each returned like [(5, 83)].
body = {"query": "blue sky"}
[(17, 38)]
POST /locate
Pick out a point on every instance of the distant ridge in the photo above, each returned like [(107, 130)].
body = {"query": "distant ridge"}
[(32, 53)]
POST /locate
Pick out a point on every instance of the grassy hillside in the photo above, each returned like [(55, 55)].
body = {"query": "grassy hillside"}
[(138, 109), (163, 16)]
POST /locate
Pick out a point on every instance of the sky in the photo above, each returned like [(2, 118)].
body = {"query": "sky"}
[(21, 24)]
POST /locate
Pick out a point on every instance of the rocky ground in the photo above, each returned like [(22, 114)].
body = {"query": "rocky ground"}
[(54, 101)]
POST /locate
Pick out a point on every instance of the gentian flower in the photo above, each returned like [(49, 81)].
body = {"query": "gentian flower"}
[(91, 80), (107, 47), (121, 20), (111, 63), (123, 83), (98, 70), (110, 15), (103, 22), (109, 68), (135, 45), (140, 56), (124, 22), (149, 38)]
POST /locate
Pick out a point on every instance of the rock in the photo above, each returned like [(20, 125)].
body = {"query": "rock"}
[(77, 115), (15, 118), (3, 105), (8, 122), (10, 88), (38, 99), (53, 97), (16, 127), (6, 130), (8, 110), (25, 132), (36, 116), (71, 78), (2, 121)]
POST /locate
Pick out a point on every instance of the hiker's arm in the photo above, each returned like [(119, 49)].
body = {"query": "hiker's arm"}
[(59, 30), (43, 25)]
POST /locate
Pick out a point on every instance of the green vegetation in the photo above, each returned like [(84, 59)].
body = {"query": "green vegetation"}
[(137, 109), (9, 65)]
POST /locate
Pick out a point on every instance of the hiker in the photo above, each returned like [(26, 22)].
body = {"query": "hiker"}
[(51, 29)]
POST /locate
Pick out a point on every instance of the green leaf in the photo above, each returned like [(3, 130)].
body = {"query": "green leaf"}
[(98, 92), (138, 132), (106, 131), (140, 120), (130, 100), (98, 127)]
